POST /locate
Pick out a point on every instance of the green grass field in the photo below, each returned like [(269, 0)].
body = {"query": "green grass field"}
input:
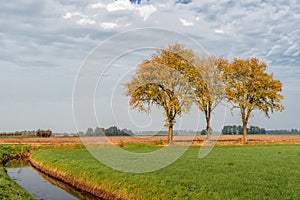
[(8, 188), (251, 172)]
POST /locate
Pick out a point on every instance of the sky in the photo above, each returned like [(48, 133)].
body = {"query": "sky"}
[(48, 47)]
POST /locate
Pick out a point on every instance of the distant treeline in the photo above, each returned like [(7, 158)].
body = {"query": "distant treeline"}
[(284, 131), (111, 131), (38, 133), (238, 130), (227, 130)]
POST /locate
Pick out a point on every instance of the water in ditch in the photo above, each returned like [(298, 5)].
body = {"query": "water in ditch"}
[(40, 186)]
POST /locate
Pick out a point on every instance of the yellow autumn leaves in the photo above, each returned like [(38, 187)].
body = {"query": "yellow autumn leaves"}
[(248, 86), (176, 77)]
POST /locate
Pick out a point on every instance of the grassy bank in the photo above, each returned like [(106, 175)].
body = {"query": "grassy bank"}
[(253, 172), (8, 188)]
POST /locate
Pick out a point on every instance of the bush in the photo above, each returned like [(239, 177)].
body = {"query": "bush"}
[(43, 133)]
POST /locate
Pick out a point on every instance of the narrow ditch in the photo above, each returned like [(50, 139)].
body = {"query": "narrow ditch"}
[(36, 185), (45, 183), (75, 183)]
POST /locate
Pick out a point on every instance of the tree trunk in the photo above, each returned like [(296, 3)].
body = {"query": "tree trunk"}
[(170, 134), (244, 132), (208, 128)]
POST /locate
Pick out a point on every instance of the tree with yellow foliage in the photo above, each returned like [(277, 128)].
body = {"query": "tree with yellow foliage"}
[(209, 93), (250, 87), (203, 76), (159, 81)]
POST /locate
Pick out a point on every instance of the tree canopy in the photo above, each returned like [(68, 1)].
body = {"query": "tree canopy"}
[(175, 77), (250, 87), (202, 74), (159, 82), (209, 93)]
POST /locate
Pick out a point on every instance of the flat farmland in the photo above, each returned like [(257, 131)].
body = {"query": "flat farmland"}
[(197, 140), (228, 172)]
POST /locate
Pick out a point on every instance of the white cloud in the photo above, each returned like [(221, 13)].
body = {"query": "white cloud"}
[(146, 11), (224, 29), (124, 5), (163, 5), (97, 5), (186, 22), (221, 31), (293, 50), (70, 15), (108, 25), (275, 49), (119, 5), (85, 22)]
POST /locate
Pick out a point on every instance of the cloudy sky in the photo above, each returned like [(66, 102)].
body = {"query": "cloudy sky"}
[(44, 43)]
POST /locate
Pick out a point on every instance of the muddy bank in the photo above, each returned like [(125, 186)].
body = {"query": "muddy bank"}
[(74, 182)]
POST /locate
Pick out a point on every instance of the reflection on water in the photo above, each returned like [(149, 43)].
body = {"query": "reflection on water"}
[(36, 185)]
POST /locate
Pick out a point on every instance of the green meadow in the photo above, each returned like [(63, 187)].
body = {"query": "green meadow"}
[(229, 172)]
